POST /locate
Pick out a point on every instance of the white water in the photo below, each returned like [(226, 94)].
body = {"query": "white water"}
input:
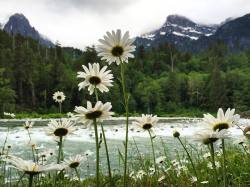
[(83, 138), (186, 127)]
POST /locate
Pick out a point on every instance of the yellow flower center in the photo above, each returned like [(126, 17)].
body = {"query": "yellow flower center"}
[(94, 80), (94, 114), (61, 132), (147, 126), (209, 140), (117, 51), (34, 167), (220, 126), (74, 164)]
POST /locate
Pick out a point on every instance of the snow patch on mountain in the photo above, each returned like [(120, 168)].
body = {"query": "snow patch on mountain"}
[(183, 35), (148, 36), (176, 29), (178, 34)]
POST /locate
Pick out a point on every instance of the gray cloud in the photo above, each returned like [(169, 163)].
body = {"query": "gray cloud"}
[(80, 23), (100, 6)]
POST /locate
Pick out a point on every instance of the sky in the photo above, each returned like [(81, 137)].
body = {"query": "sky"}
[(80, 23)]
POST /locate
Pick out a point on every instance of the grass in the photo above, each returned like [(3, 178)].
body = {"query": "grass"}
[(175, 170), (178, 113)]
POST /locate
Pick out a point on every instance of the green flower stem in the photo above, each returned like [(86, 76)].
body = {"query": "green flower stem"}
[(5, 141), (88, 166), (125, 97), (29, 134), (107, 153), (224, 163), (33, 154), (97, 153), (213, 161), (31, 180), (188, 157), (77, 174), (105, 144), (245, 149), (153, 150), (60, 107), (96, 94), (139, 154), (60, 150)]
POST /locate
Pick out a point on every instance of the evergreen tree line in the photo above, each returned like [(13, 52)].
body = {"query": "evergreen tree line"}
[(161, 80)]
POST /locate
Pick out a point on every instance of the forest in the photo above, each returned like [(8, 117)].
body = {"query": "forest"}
[(162, 80)]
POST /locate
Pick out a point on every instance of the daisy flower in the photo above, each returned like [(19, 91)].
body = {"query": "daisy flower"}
[(206, 155), (193, 179), (207, 135), (204, 182), (210, 166), (132, 175), (59, 97), (47, 153), (73, 162), (99, 112), (146, 121), (160, 160), (115, 47), (140, 174), (28, 124), (94, 77), (88, 153), (60, 128), (176, 134), (12, 115), (247, 132), (70, 115), (29, 167), (161, 178), (151, 171), (240, 141), (223, 120)]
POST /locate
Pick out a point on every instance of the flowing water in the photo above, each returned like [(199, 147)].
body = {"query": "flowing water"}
[(83, 139)]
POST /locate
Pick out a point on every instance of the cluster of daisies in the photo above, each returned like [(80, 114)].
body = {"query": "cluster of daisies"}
[(215, 128), (212, 129), (42, 157)]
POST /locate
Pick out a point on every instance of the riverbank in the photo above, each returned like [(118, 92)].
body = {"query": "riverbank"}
[(111, 121)]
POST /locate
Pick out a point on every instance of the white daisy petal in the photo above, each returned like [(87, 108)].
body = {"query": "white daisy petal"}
[(59, 97), (94, 77), (114, 47), (99, 112)]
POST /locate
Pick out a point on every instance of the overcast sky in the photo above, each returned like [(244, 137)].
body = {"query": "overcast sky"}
[(80, 23)]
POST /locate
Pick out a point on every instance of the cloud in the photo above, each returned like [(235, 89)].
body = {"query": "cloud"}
[(100, 6), (80, 23)]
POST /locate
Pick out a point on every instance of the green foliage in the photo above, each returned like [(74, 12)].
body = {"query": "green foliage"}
[(7, 95), (160, 80)]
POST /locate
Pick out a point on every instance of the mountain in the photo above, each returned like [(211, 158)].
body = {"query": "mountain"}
[(19, 24), (235, 33), (177, 30), (189, 36)]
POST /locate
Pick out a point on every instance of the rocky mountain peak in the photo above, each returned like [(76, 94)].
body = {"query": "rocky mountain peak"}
[(19, 24), (177, 30), (179, 20)]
